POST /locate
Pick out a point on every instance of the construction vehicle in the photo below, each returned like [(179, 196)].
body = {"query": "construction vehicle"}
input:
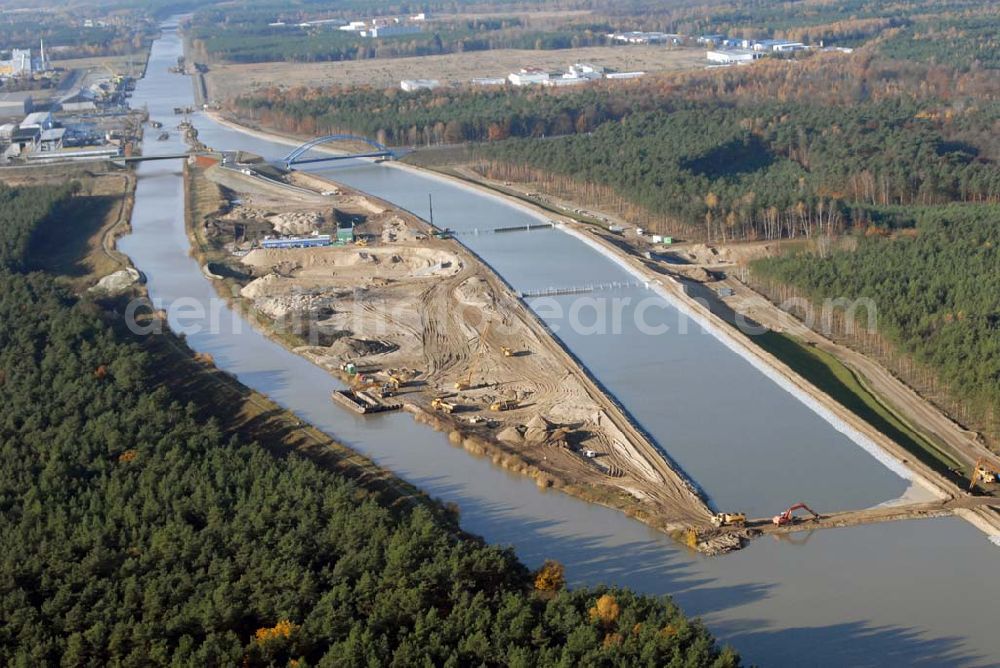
[(501, 405), (390, 379), (367, 384), (984, 472), (440, 404), (787, 517), (729, 519), (480, 350)]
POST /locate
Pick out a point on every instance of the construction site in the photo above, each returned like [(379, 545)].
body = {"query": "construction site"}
[(409, 319)]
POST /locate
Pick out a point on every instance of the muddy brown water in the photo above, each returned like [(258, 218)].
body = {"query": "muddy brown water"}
[(907, 593)]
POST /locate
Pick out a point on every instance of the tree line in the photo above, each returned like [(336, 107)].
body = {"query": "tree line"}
[(63, 30), (770, 171), (727, 167), (134, 532), (253, 38), (22, 211), (934, 287), (437, 117)]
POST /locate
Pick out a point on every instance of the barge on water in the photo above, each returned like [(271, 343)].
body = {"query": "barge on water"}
[(362, 402)]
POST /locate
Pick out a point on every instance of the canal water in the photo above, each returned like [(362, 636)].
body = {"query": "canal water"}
[(910, 593)]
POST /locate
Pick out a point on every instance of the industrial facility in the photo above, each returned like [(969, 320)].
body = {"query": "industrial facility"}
[(577, 73), (385, 27), (313, 241), (22, 63)]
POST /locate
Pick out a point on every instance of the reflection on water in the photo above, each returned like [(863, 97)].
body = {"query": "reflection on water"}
[(908, 593)]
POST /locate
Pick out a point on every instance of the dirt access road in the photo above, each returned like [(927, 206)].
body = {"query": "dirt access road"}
[(429, 311)]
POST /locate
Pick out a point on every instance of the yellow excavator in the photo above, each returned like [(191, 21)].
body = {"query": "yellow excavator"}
[(984, 472), (391, 378), (480, 350)]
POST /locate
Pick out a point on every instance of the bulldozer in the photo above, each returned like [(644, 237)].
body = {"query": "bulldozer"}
[(729, 519), (788, 517), (440, 404), (984, 472)]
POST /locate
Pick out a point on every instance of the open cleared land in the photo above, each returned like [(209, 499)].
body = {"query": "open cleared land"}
[(428, 312), (130, 65), (226, 81)]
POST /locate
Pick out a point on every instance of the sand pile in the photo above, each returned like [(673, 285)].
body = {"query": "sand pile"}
[(351, 348), (243, 212), (537, 430), (296, 222), (262, 287), (705, 254), (511, 434)]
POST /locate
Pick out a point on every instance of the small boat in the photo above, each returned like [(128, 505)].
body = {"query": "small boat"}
[(164, 136)]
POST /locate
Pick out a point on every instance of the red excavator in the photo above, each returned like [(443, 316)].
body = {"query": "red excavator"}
[(787, 517)]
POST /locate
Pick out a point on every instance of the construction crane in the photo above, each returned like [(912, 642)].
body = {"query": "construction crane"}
[(984, 472), (507, 352), (480, 350), (787, 517)]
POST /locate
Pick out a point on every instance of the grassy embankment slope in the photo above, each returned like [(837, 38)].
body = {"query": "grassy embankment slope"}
[(847, 388)]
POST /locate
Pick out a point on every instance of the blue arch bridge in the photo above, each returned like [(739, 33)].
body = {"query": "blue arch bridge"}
[(297, 157)]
